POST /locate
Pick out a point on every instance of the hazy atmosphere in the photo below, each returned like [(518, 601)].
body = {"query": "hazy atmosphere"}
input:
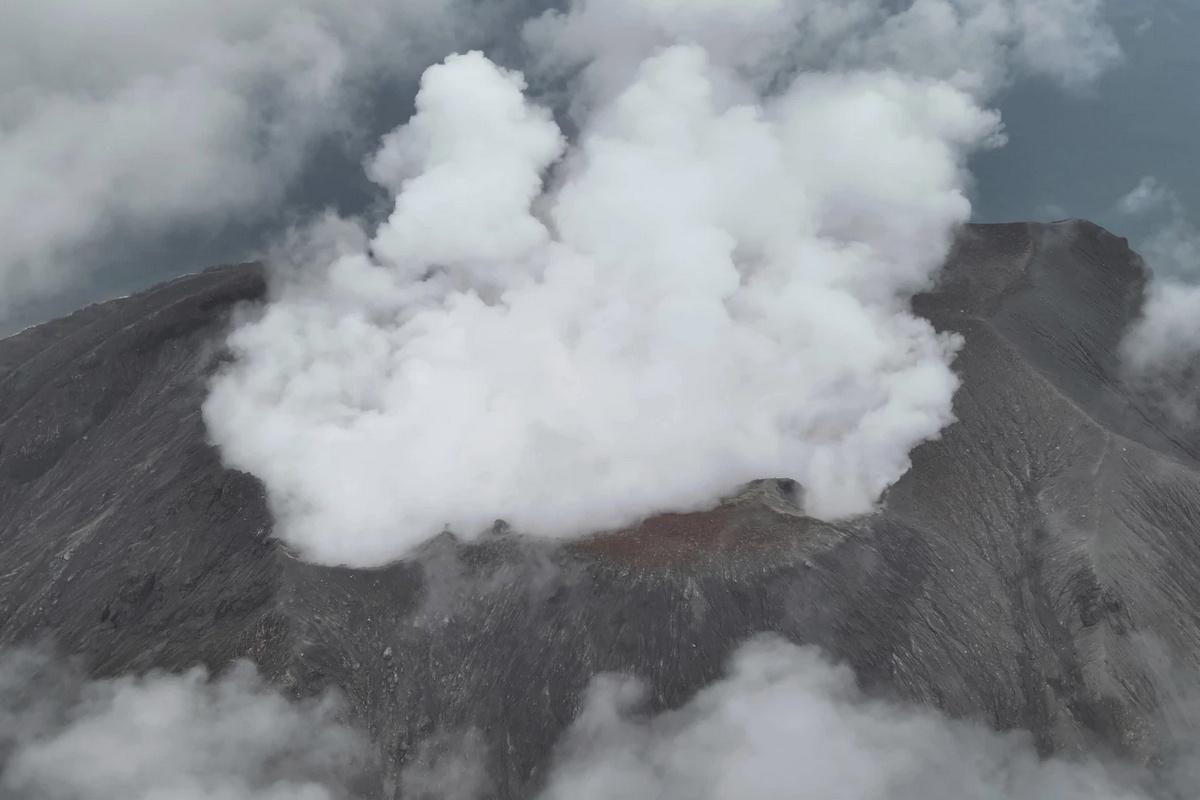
[(599, 399), (1136, 120)]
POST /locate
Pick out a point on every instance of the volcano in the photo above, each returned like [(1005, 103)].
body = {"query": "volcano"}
[(1038, 567)]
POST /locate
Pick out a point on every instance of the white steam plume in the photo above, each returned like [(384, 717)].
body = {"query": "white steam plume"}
[(713, 289), (167, 737), (787, 723)]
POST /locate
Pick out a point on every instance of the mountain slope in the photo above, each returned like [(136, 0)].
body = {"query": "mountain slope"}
[(1038, 567)]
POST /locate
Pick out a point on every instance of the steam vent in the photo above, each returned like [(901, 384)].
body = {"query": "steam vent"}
[(1037, 569)]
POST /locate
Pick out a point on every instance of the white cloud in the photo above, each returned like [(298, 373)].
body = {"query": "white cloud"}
[(123, 119), (1168, 337), (167, 737), (983, 45), (1149, 195), (1161, 352), (784, 722), (1061, 40), (977, 45), (788, 723)]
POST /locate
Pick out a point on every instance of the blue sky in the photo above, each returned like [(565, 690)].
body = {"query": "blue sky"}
[(1076, 155)]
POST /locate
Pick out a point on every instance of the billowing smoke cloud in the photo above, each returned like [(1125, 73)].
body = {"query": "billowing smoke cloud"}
[(1162, 352), (722, 299), (788, 723), (712, 288), (167, 737), (124, 119)]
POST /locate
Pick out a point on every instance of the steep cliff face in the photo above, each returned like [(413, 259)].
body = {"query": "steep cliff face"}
[(1038, 568)]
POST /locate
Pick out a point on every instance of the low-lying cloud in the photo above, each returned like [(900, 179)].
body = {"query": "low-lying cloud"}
[(1161, 352), (709, 284), (168, 737), (786, 722)]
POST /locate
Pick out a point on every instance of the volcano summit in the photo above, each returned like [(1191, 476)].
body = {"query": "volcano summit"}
[(1037, 568)]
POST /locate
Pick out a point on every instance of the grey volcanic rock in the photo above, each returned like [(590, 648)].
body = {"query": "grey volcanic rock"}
[(1038, 568)]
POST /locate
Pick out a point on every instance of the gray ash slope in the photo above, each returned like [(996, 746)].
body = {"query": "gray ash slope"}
[(1038, 568)]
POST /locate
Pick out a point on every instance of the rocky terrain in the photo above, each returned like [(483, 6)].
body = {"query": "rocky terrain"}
[(1038, 568)]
